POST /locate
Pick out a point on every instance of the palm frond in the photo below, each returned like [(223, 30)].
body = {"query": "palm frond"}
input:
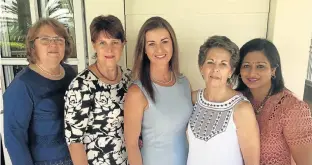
[(9, 11), (61, 11)]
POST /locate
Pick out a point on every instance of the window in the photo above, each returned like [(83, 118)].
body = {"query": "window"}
[(15, 20), (61, 10), (10, 71), (16, 16)]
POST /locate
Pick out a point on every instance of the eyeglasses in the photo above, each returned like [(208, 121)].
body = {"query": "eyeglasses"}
[(48, 40)]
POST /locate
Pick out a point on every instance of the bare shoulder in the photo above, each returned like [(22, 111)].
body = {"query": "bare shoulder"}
[(244, 115), (243, 111), (243, 106), (134, 92), (135, 97)]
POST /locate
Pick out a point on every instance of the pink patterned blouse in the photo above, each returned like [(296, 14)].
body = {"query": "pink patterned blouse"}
[(283, 121)]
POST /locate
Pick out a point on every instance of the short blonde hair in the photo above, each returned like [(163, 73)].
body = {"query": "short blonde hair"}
[(59, 30)]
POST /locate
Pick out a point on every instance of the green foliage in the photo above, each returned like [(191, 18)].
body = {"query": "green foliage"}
[(14, 45)]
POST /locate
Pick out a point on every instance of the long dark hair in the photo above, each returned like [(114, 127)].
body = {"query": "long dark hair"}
[(141, 67), (271, 53)]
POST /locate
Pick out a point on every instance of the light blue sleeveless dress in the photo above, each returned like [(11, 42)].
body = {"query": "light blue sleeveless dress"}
[(164, 124)]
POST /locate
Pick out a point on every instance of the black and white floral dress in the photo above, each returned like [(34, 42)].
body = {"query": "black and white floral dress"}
[(94, 117)]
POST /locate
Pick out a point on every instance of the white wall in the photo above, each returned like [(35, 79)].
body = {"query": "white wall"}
[(194, 21), (94, 8), (289, 27), (290, 30)]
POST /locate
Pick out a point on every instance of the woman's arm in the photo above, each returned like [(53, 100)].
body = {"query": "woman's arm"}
[(193, 93), (302, 154), (297, 129), (18, 107), (134, 106), (78, 154), (194, 97), (78, 105), (247, 132)]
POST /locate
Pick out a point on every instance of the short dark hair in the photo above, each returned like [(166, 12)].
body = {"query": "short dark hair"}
[(110, 25), (271, 53)]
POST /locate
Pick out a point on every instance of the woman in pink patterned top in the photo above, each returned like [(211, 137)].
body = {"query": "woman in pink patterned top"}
[(285, 121)]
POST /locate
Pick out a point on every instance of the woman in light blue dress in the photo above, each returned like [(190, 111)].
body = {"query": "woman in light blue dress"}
[(158, 104)]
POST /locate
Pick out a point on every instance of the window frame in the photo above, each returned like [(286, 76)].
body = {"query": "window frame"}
[(81, 61)]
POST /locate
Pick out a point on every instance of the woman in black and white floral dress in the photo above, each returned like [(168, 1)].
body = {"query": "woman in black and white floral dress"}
[(94, 100)]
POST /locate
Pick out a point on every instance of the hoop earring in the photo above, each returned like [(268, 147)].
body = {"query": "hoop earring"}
[(273, 77)]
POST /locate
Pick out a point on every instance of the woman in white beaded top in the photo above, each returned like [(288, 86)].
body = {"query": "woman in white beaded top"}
[(222, 129)]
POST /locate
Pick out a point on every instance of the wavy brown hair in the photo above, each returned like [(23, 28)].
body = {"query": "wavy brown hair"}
[(141, 67), (59, 30)]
